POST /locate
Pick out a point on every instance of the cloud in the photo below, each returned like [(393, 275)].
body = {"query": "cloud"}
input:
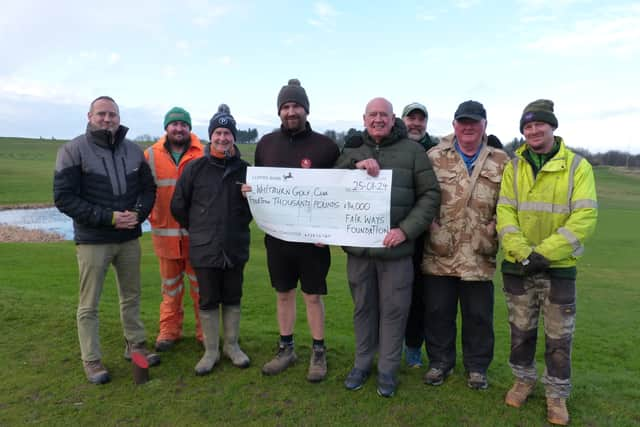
[(169, 71), (324, 16), (537, 18), (465, 4), (225, 60), (295, 39), (114, 58), (88, 55), (211, 14), (619, 36), (425, 17)]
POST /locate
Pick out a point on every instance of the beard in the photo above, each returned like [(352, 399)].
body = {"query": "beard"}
[(416, 134), (293, 123), (177, 142), (111, 128)]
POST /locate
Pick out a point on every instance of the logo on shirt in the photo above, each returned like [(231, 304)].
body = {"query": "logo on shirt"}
[(305, 163)]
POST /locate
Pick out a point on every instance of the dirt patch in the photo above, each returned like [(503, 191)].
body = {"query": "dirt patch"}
[(13, 234), (26, 206)]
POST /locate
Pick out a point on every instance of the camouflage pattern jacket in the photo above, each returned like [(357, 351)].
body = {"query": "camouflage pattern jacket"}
[(463, 241)]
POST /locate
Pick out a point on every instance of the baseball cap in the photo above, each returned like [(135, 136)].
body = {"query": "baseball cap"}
[(470, 110), (414, 106)]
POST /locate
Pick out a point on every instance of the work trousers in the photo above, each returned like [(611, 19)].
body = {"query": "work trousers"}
[(442, 294), (172, 273), (555, 299), (381, 293), (93, 263)]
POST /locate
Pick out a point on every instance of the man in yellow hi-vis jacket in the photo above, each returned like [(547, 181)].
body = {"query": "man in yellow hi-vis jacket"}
[(546, 211)]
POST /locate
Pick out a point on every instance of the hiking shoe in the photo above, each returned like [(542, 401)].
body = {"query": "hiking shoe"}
[(96, 372), (356, 379), (387, 385), (519, 393), (557, 411), (284, 358), (164, 345), (436, 376), (413, 357), (317, 364), (152, 358), (477, 381)]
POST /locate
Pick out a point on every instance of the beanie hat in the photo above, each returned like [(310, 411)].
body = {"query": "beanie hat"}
[(177, 114), (223, 119), (540, 110), (293, 92)]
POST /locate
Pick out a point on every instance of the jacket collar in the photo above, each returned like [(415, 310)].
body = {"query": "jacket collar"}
[(295, 135), (398, 132), (105, 138)]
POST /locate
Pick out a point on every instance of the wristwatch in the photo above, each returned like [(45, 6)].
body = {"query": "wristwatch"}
[(525, 262)]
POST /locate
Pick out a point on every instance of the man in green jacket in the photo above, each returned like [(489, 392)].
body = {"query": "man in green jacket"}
[(546, 211), (381, 279)]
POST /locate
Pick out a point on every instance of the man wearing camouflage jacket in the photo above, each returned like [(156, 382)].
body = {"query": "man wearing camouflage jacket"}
[(459, 257)]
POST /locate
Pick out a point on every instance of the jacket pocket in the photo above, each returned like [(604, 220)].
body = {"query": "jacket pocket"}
[(440, 241), (484, 240)]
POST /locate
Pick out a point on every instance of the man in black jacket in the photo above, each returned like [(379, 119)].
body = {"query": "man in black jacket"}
[(104, 184), (296, 145), (208, 202)]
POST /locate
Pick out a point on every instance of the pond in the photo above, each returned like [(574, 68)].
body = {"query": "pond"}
[(44, 219)]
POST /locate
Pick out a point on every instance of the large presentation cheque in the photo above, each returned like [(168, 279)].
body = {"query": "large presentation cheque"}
[(330, 206)]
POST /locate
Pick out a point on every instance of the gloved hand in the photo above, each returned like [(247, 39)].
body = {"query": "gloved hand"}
[(536, 263)]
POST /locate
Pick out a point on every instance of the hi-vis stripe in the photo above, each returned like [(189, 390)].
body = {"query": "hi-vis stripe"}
[(167, 284), (567, 208), (545, 206), (169, 182), (169, 232)]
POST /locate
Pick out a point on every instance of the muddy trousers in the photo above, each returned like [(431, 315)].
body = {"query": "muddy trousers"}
[(381, 293), (172, 272), (554, 299), (93, 263)]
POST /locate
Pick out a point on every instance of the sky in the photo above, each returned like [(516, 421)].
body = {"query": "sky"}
[(153, 55)]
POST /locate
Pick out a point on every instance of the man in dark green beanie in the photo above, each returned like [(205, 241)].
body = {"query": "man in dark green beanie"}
[(168, 158), (542, 224), (177, 114)]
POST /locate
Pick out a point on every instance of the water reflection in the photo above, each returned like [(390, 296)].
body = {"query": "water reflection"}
[(44, 219)]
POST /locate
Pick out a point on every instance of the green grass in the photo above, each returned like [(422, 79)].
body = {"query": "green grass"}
[(43, 382), (27, 166)]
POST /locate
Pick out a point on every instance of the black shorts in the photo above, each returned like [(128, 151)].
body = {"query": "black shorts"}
[(289, 262)]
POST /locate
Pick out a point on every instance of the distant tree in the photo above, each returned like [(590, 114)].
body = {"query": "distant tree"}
[(330, 133), (248, 136), (146, 138), (512, 146)]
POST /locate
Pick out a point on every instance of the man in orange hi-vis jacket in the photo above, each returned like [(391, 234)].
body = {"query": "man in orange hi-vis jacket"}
[(167, 159)]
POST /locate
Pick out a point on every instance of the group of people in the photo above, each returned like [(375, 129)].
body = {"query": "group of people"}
[(452, 203)]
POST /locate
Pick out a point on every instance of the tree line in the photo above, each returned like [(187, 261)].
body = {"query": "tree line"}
[(608, 158), (249, 136)]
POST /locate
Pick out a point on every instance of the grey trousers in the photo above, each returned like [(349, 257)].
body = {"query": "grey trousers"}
[(381, 292), (93, 263)]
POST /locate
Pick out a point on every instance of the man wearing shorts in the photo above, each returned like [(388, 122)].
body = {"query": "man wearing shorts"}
[(295, 145)]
